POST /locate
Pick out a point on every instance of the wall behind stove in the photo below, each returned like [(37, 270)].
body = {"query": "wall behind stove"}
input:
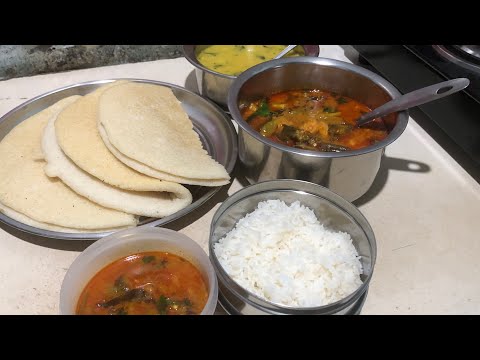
[(27, 60)]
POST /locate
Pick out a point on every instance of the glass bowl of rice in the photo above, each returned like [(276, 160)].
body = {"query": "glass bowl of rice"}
[(291, 247)]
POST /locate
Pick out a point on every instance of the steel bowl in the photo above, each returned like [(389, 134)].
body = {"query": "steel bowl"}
[(215, 85), (331, 209), (348, 173)]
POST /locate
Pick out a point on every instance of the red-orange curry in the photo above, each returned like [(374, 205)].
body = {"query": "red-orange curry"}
[(313, 120), (149, 283)]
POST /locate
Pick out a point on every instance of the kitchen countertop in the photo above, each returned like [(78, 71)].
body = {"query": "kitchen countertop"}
[(28, 60), (423, 208)]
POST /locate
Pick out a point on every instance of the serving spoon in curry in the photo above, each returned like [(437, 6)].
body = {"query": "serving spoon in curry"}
[(415, 98), (284, 51)]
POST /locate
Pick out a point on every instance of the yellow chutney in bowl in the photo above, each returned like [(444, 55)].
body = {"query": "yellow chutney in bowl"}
[(235, 59), (217, 66)]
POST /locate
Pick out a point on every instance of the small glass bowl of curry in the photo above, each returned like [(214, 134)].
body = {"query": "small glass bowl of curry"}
[(141, 271)]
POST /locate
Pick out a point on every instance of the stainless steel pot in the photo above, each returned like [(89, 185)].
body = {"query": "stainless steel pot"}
[(215, 85), (332, 210), (350, 173)]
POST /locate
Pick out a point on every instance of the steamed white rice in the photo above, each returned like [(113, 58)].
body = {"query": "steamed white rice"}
[(285, 255)]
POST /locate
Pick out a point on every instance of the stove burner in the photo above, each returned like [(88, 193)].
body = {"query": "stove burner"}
[(466, 56), (473, 50)]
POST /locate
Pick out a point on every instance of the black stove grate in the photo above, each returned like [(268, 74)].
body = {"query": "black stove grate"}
[(455, 66), (454, 121)]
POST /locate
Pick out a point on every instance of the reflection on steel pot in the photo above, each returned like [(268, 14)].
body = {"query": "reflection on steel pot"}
[(349, 173), (215, 85)]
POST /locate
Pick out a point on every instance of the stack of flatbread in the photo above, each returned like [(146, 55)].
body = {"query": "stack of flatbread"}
[(97, 162)]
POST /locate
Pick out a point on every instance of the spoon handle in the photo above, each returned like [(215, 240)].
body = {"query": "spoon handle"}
[(415, 98), (284, 51)]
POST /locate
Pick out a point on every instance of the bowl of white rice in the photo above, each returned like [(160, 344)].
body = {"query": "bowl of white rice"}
[(291, 247)]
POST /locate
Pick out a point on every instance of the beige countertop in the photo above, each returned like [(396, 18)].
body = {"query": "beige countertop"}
[(423, 208)]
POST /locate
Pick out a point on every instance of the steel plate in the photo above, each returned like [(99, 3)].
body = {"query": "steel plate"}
[(214, 127)]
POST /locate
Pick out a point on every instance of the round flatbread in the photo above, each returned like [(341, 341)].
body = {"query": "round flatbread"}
[(146, 203), (77, 134), (146, 123), (26, 189), (147, 170), (24, 219)]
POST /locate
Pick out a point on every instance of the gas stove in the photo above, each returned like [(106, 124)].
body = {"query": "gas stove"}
[(454, 121), (453, 61)]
